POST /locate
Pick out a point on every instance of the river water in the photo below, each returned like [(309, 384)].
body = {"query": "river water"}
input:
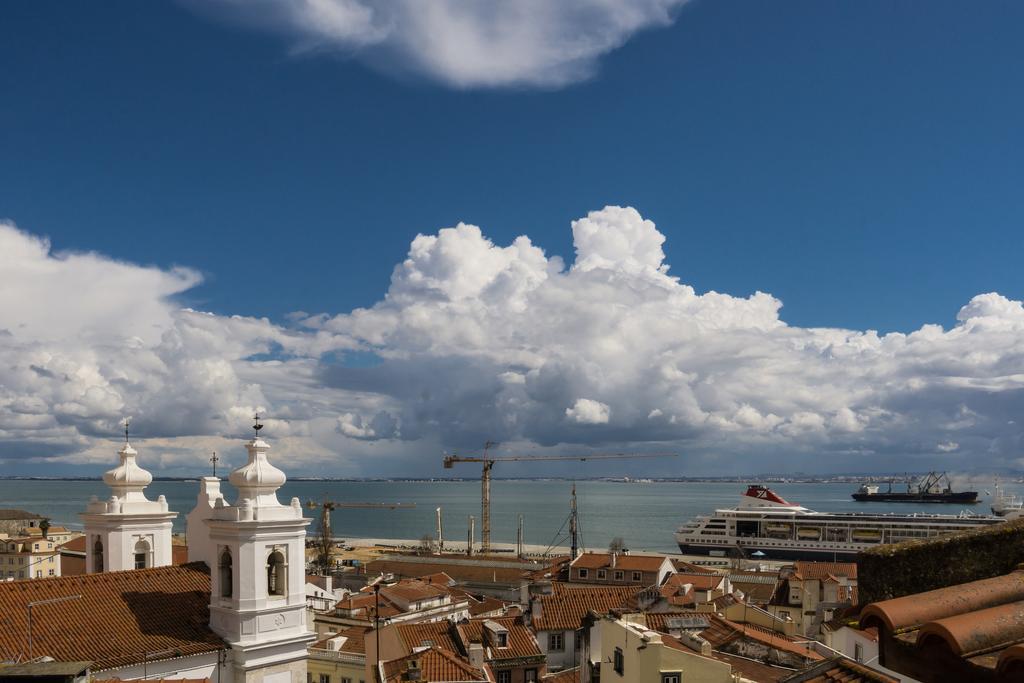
[(644, 515)]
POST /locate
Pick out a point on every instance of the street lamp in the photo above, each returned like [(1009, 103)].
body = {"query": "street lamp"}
[(37, 603)]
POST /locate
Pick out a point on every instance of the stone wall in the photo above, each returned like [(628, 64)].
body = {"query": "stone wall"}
[(892, 571)]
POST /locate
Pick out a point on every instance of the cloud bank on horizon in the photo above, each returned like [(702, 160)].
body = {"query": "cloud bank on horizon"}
[(529, 43), (475, 341)]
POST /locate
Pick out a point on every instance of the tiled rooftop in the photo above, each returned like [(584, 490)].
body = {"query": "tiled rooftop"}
[(433, 665), (118, 615), (565, 608), (427, 634), (722, 631), (839, 670), (521, 642), (640, 563), (820, 570)]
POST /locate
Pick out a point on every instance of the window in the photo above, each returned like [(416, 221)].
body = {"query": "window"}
[(671, 677), (97, 555), (556, 642), (276, 579), (39, 573), (582, 573), (309, 677), (602, 574), (858, 652), (504, 676), (502, 638), (346, 680), (325, 678), (637, 576), (618, 663), (36, 547), (619, 575), (51, 572), (226, 576), (142, 555), (530, 676)]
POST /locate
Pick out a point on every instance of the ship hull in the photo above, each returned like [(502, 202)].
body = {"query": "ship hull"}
[(961, 498), (773, 553)]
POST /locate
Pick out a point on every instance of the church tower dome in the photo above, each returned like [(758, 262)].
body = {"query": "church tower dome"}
[(257, 480), (127, 530), (128, 480)]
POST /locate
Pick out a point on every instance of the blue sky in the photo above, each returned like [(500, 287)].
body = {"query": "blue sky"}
[(860, 162)]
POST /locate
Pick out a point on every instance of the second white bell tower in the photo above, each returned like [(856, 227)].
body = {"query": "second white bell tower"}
[(257, 597)]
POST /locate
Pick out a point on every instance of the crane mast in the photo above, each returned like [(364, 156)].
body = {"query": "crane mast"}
[(489, 461), (325, 538)]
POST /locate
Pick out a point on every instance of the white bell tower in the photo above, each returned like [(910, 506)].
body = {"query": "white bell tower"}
[(127, 531), (257, 596)]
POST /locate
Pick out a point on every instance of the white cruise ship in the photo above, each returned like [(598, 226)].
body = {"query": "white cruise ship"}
[(765, 523)]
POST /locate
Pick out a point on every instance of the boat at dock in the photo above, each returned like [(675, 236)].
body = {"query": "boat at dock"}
[(765, 522), (934, 488)]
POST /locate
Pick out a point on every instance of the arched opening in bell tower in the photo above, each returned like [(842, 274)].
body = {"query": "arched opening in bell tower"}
[(277, 583), (142, 554), (97, 555), (226, 576)]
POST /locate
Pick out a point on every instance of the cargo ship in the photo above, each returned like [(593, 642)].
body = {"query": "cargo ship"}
[(765, 524), (934, 488)]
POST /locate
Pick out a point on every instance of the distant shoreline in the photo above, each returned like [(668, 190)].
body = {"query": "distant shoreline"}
[(740, 479)]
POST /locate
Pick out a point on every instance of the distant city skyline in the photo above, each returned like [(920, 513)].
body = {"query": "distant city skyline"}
[(766, 236)]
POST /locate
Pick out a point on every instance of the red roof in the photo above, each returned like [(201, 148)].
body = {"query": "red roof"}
[(565, 608), (119, 614), (433, 665), (639, 563), (521, 642), (822, 570)]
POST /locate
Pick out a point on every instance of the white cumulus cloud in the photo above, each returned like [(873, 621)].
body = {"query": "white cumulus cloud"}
[(477, 341), (462, 43), (588, 412)]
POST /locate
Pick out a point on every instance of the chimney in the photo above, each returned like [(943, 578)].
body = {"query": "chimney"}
[(476, 655), (614, 558)]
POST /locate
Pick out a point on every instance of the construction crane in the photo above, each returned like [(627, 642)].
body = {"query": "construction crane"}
[(488, 463), (325, 539)]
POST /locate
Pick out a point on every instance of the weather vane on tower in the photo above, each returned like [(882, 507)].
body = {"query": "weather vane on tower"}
[(126, 421), (214, 460), (257, 426)]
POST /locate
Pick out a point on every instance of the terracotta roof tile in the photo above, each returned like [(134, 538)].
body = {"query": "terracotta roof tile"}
[(434, 664), (722, 631), (75, 545), (565, 608), (752, 670), (803, 569), (521, 642), (119, 614), (354, 643), (640, 563), (426, 634), (910, 611), (839, 670), (701, 582), (413, 589), (471, 573), (980, 631)]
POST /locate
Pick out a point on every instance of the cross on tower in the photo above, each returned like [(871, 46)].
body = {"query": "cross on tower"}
[(126, 421), (214, 460), (257, 426)]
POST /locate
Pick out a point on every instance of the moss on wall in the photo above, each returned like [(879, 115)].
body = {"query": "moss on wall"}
[(891, 571)]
